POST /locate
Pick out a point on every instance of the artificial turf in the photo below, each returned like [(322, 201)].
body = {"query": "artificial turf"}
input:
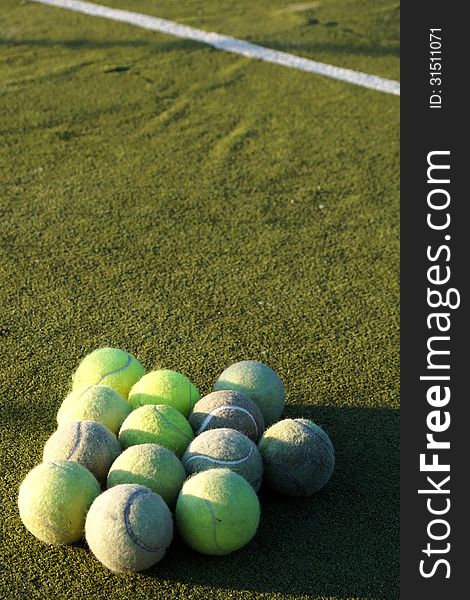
[(198, 208)]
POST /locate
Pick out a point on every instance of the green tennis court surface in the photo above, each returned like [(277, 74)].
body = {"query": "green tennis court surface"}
[(198, 208)]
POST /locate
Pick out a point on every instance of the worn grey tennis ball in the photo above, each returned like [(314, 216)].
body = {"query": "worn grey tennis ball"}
[(128, 528), (298, 457), (259, 382), (86, 442), (225, 448), (228, 408)]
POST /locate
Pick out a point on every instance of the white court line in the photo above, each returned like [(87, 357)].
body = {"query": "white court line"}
[(229, 44)]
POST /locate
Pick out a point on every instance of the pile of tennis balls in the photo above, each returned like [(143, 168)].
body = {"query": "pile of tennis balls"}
[(156, 447)]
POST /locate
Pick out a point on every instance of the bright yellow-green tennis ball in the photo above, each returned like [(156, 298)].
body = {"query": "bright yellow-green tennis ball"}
[(128, 528), (298, 457), (54, 498), (217, 511), (151, 465), (225, 448), (94, 403), (259, 382), (111, 367), (89, 443), (165, 387), (156, 424)]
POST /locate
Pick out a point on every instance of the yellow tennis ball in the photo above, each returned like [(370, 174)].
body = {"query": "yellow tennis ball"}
[(156, 424), (94, 403), (217, 511), (151, 465), (165, 387), (54, 499), (111, 367)]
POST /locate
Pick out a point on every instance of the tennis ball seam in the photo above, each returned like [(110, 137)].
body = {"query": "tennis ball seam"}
[(114, 371), (78, 438), (213, 412), (289, 476), (186, 437), (130, 532), (220, 461), (214, 522), (313, 434)]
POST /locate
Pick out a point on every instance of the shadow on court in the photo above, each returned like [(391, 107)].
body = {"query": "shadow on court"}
[(84, 44), (182, 44), (331, 48), (341, 542)]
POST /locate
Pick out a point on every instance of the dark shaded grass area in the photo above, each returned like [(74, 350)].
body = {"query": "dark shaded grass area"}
[(197, 208), (292, 47), (85, 44)]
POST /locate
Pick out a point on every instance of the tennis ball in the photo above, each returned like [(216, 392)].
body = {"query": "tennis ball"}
[(89, 443), (151, 465), (228, 408), (156, 424), (298, 457), (95, 403), (128, 528), (225, 448), (165, 387), (111, 367), (54, 498), (259, 382), (217, 511)]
